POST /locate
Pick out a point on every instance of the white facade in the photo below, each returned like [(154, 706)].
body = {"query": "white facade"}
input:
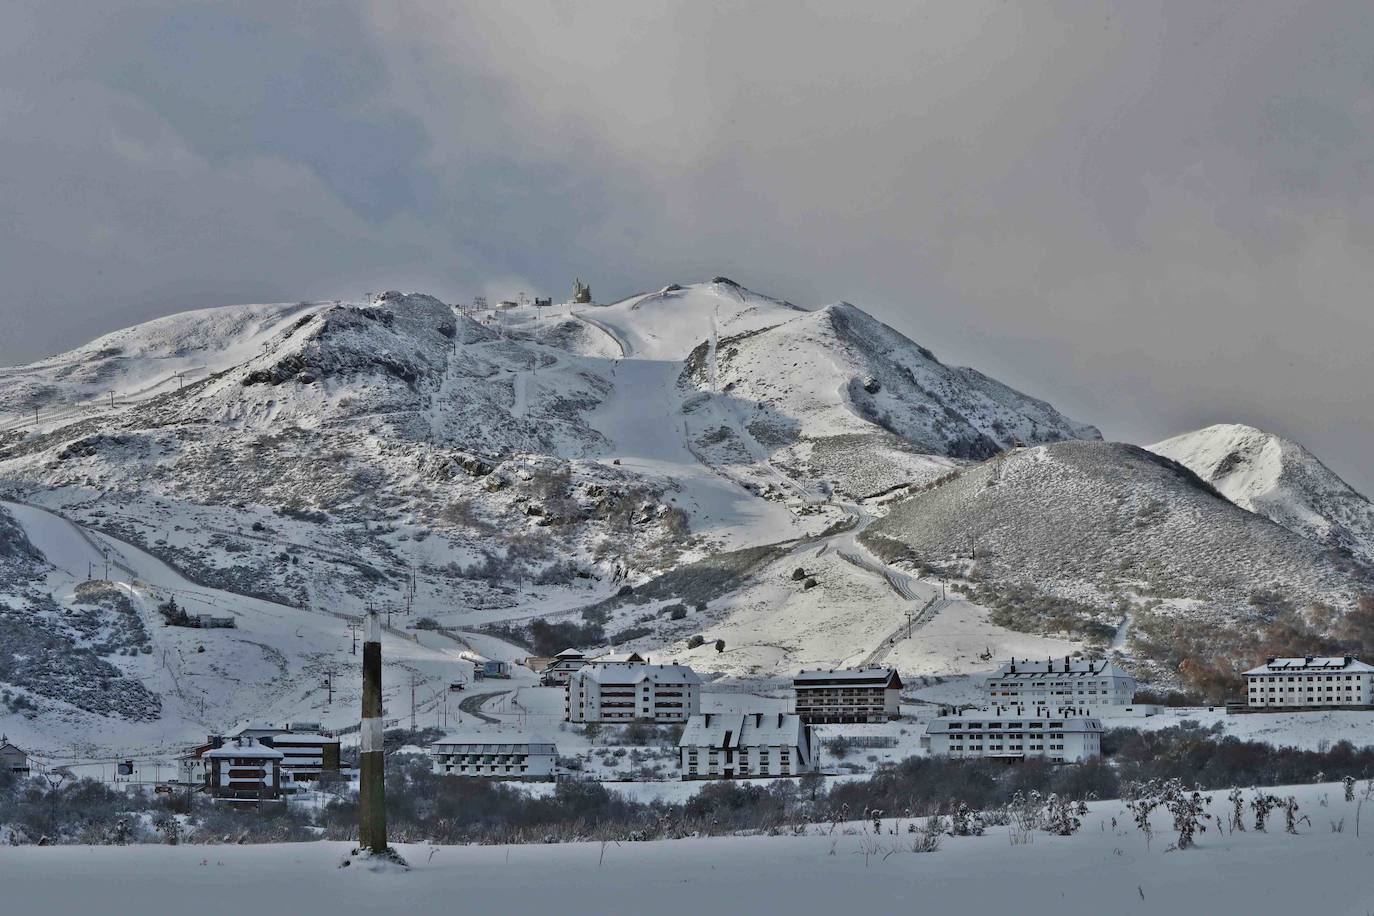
[(561, 668), (1015, 733), (1077, 682), (746, 745), (1310, 681), (244, 769), (628, 692), (848, 695), (306, 755), (483, 758)]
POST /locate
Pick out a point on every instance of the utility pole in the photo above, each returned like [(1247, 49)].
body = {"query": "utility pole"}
[(112, 398), (371, 757), (353, 628)]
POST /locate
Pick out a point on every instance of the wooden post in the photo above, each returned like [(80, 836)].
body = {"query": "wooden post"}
[(371, 788)]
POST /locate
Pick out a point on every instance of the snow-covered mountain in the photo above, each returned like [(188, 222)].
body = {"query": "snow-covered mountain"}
[(1122, 547), (701, 444), (493, 466), (1279, 479)]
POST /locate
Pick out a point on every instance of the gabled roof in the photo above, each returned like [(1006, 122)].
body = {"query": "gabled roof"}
[(474, 742), (1313, 664), (823, 677), (631, 674), (619, 658), (244, 747), (571, 653), (736, 730), (1048, 669)]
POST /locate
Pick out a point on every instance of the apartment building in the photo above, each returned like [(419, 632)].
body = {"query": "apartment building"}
[(484, 757), (847, 695), (1049, 682), (630, 692), (243, 769), (1015, 733), (1310, 682), (746, 745)]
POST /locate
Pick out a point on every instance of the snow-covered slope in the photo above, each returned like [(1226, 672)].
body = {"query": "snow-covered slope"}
[(89, 668), (147, 359), (1079, 536), (505, 464), (837, 395), (1279, 479)]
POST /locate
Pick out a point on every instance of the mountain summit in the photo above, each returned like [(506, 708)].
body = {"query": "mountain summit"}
[(1280, 480)]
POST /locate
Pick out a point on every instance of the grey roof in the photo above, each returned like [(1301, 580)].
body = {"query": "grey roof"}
[(1059, 669), (831, 675), (245, 747), (1010, 721), (631, 674), (1312, 664), (471, 746), (735, 730)]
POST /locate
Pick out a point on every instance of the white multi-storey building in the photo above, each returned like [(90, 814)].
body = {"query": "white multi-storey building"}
[(1289, 683), (305, 756), (484, 757), (242, 769), (1015, 733), (1077, 682), (630, 692), (743, 745), (848, 695)]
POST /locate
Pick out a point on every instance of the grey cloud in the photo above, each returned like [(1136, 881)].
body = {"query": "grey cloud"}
[(1155, 215)]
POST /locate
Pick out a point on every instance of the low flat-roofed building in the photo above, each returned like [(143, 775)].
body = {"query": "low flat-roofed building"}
[(495, 757), (839, 695), (1310, 682), (746, 745), (1015, 733)]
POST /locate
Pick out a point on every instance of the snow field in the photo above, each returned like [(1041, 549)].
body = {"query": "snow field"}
[(1100, 869)]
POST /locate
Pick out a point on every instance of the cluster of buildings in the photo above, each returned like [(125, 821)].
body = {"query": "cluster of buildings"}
[(1050, 709), (628, 687), (263, 763), (1047, 709)]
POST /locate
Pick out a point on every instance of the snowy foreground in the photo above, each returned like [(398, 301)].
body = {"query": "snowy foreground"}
[(1099, 870)]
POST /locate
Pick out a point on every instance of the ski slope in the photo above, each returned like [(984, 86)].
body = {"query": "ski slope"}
[(271, 667)]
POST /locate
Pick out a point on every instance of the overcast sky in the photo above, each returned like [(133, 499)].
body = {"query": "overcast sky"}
[(1156, 216)]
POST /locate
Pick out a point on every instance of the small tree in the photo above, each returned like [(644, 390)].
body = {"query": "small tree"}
[(1262, 805), (720, 645), (695, 641), (1349, 784), (1237, 810), (170, 829), (1141, 801), (1059, 816), (1290, 815), (964, 822), (1187, 809)]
